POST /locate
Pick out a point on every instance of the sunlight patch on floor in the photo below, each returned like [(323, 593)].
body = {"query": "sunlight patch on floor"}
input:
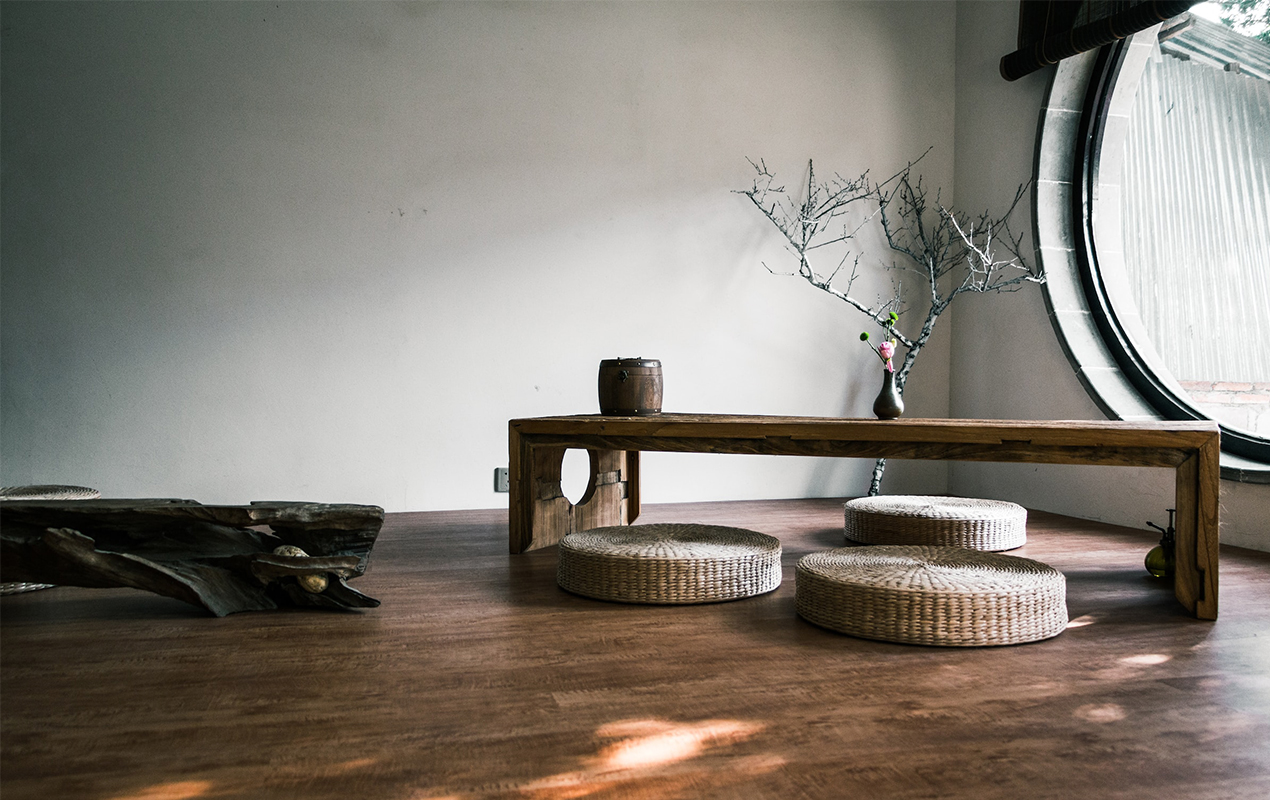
[(1147, 660), (673, 743), (178, 790), (1080, 622), (1100, 712), (651, 755)]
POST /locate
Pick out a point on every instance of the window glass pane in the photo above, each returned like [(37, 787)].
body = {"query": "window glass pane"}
[(1195, 211)]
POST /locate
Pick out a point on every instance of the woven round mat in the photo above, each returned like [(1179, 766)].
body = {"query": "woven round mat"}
[(669, 563), (44, 492), (948, 596), (48, 492), (937, 521)]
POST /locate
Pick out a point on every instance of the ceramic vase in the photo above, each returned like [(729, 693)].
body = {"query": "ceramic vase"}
[(889, 404)]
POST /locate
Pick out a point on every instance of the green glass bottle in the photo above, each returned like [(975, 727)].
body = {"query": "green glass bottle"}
[(1160, 561)]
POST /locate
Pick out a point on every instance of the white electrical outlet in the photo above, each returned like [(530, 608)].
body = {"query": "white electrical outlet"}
[(500, 479)]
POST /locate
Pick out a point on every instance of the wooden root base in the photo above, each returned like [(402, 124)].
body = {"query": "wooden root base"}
[(216, 557)]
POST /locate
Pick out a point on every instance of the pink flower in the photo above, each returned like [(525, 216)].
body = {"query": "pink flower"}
[(889, 368), (886, 350)]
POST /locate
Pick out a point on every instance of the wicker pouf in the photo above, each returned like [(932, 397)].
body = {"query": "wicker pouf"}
[(44, 492), (48, 492), (936, 521), (948, 596), (669, 563)]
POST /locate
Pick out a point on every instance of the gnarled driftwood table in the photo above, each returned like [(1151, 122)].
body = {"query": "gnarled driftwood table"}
[(221, 558)]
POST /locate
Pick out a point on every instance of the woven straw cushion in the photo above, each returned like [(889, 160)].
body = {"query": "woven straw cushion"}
[(947, 596), (938, 521), (669, 563), (48, 492)]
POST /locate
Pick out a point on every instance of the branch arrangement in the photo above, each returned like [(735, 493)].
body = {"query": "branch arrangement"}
[(949, 252)]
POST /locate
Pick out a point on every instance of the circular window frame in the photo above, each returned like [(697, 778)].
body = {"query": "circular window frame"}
[(1077, 234)]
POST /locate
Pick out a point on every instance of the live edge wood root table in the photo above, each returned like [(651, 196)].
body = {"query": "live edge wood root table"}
[(541, 514)]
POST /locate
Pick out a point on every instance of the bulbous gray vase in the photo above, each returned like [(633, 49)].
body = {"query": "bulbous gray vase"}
[(889, 404)]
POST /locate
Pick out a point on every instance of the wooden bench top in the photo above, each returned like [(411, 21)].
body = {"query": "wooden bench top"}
[(1141, 444), (735, 426)]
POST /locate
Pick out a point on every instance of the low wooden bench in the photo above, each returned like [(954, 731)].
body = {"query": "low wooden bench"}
[(541, 514)]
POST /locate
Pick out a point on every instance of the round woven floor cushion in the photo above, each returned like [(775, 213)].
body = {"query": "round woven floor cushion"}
[(937, 521), (669, 563), (48, 492), (948, 596)]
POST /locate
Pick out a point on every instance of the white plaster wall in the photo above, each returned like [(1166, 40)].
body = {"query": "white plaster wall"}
[(324, 251), (1005, 359)]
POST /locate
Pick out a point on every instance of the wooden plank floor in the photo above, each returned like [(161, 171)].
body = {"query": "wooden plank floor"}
[(479, 678)]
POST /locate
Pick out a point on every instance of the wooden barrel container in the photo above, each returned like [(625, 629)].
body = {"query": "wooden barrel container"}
[(630, 387)]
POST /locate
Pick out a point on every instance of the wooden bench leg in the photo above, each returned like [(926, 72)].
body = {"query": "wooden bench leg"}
[(605, 503), (539, 514), (632, 486), (1195, 579)]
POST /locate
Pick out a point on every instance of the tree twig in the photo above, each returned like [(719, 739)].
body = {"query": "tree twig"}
[(932, 240)]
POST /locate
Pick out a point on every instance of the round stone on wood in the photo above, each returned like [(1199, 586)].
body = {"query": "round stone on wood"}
[(947, 596), (936, 521), (669, 563)]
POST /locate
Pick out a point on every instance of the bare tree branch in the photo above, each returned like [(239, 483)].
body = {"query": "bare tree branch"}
[(977, 254)]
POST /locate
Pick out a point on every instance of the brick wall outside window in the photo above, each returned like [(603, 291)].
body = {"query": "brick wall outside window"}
[(1239, 404)]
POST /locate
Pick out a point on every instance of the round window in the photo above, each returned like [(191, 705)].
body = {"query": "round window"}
[(1168, 207)]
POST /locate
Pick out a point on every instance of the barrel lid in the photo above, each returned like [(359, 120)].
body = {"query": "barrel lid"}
[(638, 361)]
